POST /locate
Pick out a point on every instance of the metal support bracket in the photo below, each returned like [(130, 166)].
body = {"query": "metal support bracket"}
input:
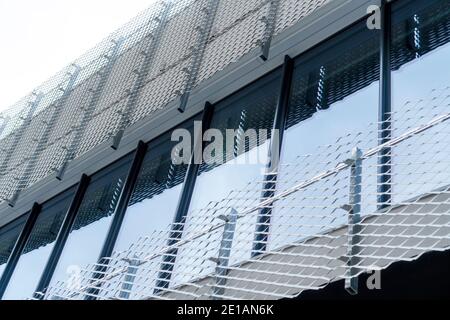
[(18, 134), (270, 23), (148, 53), (129, 278), (204, 31), (65, 88), (72, 147)]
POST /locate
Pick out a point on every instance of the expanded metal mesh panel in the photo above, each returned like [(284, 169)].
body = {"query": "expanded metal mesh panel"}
[(160, 91), (100, 128), (178, 38), (226, 48), (75, 105), (10, 183), (159, 56), (326, 223), (292, 11)]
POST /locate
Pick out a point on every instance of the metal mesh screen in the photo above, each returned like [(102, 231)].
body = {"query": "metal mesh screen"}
[(326, 221), (160, 56)]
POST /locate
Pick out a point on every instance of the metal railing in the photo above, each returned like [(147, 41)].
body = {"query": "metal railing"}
[(329, 224)]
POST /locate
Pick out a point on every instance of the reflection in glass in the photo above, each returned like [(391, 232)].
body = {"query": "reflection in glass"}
[(155, 195), (239, 164), (93, 219), (8, 237), (38, 247), (420, 78), (334, 97), (150, 212)]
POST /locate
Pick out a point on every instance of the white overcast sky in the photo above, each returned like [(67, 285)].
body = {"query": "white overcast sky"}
[(40, 37)]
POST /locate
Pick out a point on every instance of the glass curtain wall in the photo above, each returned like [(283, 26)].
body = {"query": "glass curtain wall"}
[(38, 247), (420, 57), (146, 226), (92, 221), (235, 157), (333, 108)]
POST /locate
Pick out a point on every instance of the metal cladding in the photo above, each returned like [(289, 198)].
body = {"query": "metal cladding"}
[(158, 57)]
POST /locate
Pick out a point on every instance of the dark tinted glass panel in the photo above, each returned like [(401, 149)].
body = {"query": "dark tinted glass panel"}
[(150, 212), (334, 99), (93, 220), (238, 168), (38, 247), (421, 81), (156, 193), (8, 237)]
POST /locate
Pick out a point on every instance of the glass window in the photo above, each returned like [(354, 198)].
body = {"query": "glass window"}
[(150, 211), (155, 196), (333, 108), (8, 237), (231, 175), (38, 247), (420, 89), (93, 220)]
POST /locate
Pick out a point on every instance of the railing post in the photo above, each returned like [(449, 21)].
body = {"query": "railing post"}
[(129, 278), (18, 248), (269, 185), (65, 89), (354, 218), (223, 259), (385, 109)]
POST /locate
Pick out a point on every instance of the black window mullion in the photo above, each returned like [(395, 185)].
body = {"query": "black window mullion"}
[(119, 213), (18, 248), (264, 215), (168, 260), (62, 237), (385, 108)]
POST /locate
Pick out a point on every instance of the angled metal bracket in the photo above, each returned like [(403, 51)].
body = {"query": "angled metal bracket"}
[(204, 31), (18, 134), (270, 23), (149, 53), (73, 145), (65, 89), (130, 276)]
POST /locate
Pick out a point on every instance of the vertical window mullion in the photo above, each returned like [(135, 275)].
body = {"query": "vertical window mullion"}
[(168, 260), (385, 108), (264, 215), (62, 237), (18, 248)]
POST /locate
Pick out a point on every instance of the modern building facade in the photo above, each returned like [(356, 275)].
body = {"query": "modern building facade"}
[(337, 163)]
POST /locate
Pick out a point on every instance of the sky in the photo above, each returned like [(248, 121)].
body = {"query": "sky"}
[(40, 37)]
